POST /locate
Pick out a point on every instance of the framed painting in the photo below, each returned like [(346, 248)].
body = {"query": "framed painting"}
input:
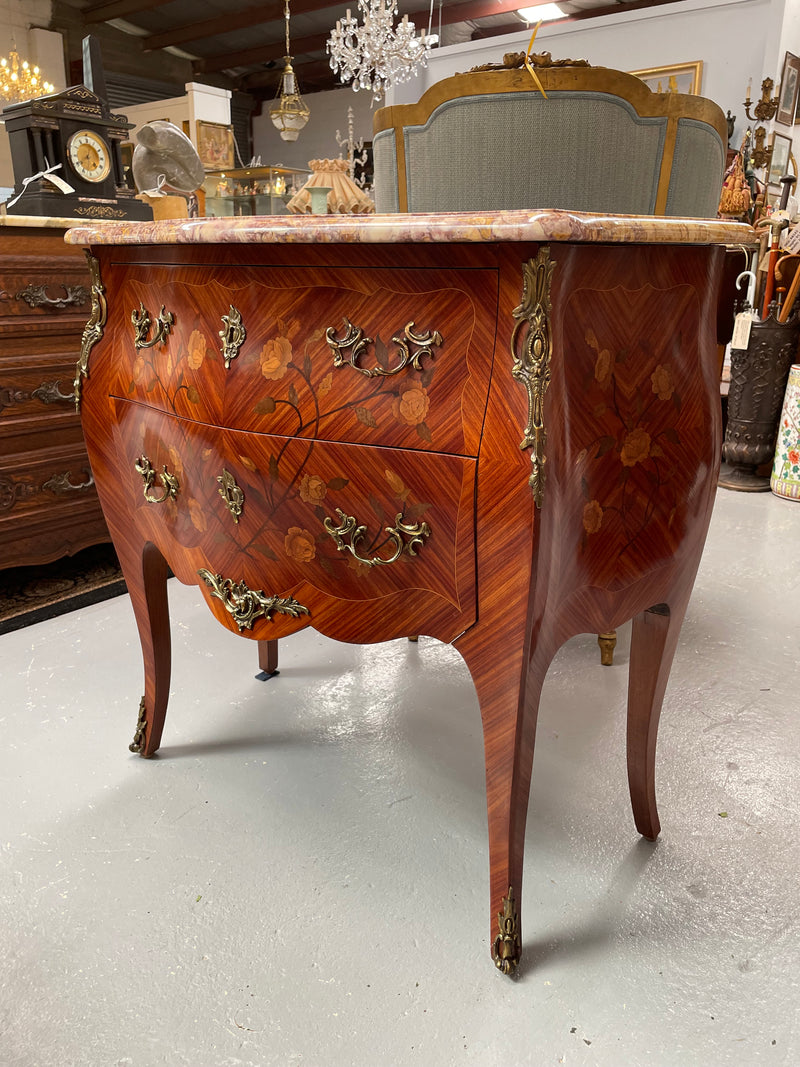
[(779, 161), (787, 97), (215, 145), (677, 78)]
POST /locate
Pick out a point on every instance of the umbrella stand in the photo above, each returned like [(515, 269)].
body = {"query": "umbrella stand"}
[(758, 383)]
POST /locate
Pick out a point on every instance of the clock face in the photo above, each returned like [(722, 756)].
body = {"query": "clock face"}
[(89, 155)]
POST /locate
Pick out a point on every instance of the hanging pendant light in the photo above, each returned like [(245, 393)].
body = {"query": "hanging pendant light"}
[(289, 113)]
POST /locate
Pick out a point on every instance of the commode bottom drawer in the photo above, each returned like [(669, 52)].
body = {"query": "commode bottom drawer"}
[(332, 524)]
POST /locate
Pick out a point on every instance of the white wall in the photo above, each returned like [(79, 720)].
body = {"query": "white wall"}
[(20, 22), (204, 102), (318, 138)]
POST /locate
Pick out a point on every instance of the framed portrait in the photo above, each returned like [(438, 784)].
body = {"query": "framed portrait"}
[(779, 163), (678, 78), (215, 145), (787, 96)]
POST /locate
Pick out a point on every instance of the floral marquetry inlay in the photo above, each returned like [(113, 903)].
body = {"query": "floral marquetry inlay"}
[(634, 424)]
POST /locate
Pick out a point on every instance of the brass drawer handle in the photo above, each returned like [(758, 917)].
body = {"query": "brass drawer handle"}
[(61, 484), (246, 605), (355, 340), (141, 326), (47, 393), (350, 530), (233, 335), (35, 296), (50, 393), (169, 482)]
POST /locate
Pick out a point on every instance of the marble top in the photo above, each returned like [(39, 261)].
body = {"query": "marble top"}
[(384, 229), (38, 222)]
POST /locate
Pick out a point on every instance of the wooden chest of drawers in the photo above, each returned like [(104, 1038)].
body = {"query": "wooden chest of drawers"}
[(48, 502), (496, 430)]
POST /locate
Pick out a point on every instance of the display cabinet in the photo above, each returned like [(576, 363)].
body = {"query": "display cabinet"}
[(252, 190)]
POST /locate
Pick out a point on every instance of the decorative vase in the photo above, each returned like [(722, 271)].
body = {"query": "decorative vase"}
[(758, 383), (319, 199), (785, 480)]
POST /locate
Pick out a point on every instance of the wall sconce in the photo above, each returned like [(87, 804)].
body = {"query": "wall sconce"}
[(759, 153), (766, 106)]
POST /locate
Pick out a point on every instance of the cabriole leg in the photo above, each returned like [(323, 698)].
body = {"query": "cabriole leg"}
[(508, 692), (654, 637), (146, 577)]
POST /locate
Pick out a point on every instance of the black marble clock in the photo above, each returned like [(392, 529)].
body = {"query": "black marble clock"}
[(76, 129)]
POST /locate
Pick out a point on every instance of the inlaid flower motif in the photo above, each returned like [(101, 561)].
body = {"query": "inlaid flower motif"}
[(138, 368), (275, 357), (299, 545), (604, 364), (635, 447), (175, 463), (411, 406), (313, 488), (662, 382), (197, 350), (592, 516), (197, 516)]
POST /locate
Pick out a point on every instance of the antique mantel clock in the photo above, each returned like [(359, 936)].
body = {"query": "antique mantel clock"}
[(76, 129)]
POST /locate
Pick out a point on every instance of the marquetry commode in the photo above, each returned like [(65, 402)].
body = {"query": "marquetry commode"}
[(498, 430)]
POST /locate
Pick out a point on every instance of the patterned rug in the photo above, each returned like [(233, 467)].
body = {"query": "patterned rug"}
[(33, 594)]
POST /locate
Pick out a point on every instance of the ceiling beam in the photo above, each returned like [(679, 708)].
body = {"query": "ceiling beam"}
[(236, 20), (272, 12), (264, 53), (117, 9)]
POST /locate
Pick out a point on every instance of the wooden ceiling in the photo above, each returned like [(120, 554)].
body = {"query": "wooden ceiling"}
[(241, 45)]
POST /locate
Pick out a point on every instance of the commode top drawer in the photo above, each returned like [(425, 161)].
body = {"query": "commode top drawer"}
[(393, 357)]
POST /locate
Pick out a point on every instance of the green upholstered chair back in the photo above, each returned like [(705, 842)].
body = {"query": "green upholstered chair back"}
[(600, 141)]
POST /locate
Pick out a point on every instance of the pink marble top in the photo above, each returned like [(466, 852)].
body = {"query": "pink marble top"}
[(451, 227)]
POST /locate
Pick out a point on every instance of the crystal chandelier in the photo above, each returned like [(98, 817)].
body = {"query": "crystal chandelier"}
[(21, 81), (377, 55), (289, 113)]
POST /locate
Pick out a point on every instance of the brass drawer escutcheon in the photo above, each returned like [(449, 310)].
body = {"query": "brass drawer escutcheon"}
[(349, 529), (356, 341), (231, 494), (233, 335), (169, 482), (246, 605), (141, 326)]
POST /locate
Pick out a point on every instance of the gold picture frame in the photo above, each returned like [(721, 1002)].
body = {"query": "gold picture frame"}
[(789, 92), (215, 145), (678, 78), (781, 158)]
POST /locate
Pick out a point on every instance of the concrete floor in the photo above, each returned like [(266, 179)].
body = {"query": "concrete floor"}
[(300, 877)]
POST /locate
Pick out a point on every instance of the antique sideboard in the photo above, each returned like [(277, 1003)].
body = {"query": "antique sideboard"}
[(48, 504), (496, 429)]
